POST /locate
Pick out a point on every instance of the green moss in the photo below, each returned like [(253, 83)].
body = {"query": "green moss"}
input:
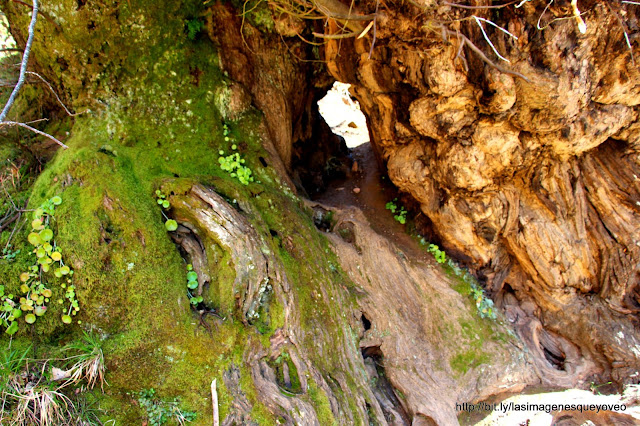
[(462, 362), (321, 404), (152, 125), (278, 367)]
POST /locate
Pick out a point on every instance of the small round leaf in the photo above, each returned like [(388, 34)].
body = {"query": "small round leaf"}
[(46, 235), (171, 225), (34, 239)]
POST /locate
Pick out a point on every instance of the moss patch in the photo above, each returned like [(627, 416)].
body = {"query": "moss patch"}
[(150, 91)]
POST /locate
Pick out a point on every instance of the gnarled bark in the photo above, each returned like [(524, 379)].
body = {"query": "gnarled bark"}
[(534, 181)]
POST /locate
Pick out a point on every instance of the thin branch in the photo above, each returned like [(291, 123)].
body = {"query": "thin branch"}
[(463, 6), (54, 93), (10, 199), (495, 25), (336, 36), (460, 50), (214, 403), (23, 65), (375, 28), (41, 12), (582, 27), (486, 37), (39, 132), (542, 14), (464, 39), (624, 30), (366, 30), (19, 228)]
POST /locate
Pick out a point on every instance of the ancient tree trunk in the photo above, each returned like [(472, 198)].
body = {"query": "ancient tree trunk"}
[(532, 180), (530, 171)]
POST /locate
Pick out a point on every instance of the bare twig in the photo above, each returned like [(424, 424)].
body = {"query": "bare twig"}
[(336, 36), (486, 37), (375, 28), (464, 6), (624, 30), (39, 132), (366, 30), (576, 14), (71, 114), (214, 403), (23, 65), (43, 13), (464, 39), (18, 228)]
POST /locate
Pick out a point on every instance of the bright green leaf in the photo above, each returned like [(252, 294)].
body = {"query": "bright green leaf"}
[(34, 239), (12, 329)]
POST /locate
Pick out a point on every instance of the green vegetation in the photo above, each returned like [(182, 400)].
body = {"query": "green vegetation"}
[(35, 392), (470, 286), (192, 284), (8, 253), (466, 360), (234, 163), (157, 129), (439, 255), (159, 411), (193, 28), (88, 361), (401, 215), (278, 365), (170, 224), (36, 292)]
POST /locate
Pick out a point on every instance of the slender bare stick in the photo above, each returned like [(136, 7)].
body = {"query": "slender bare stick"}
[(463, 6), (23, 65), (214, 402), (71, 114), (336, 36), (486, 37), (624, 30), (26, 126), (464, 39)]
